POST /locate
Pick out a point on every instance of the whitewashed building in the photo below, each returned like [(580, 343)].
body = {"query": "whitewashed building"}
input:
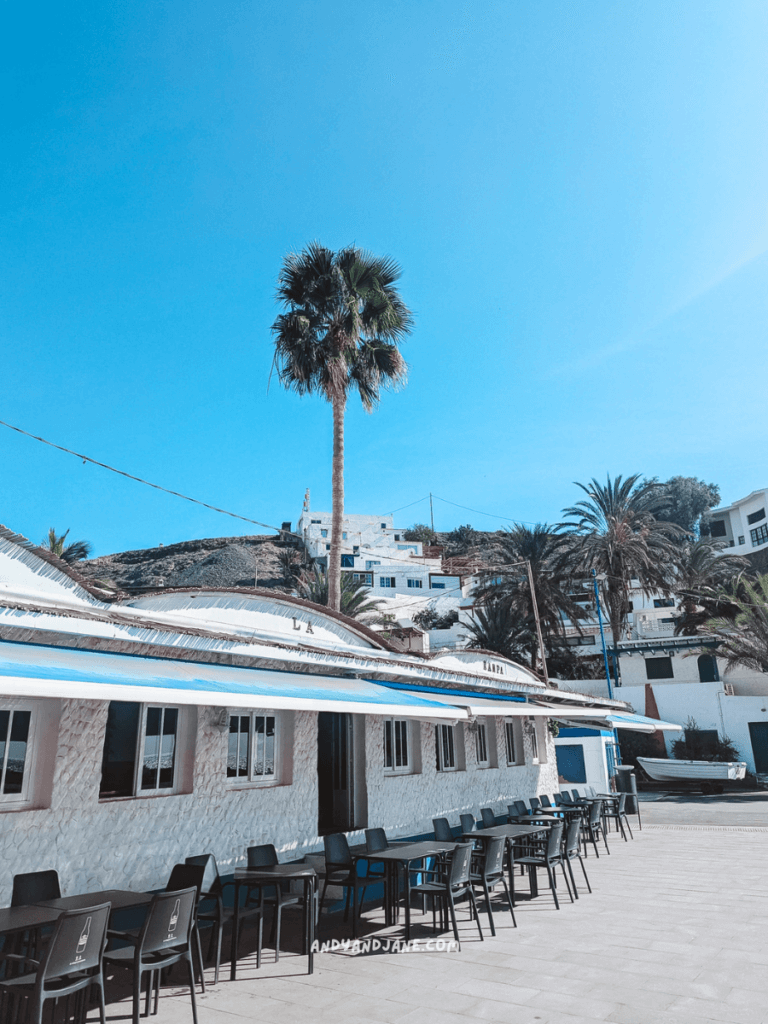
[(743, 524)]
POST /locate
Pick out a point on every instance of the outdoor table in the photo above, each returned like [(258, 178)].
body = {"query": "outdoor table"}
[(406, 855), (511, 833), (121, 899), (26, 919), (273, 875)]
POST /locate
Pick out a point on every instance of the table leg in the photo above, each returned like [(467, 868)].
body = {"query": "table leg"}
[(309, 907), (235, 934), (407, 866)]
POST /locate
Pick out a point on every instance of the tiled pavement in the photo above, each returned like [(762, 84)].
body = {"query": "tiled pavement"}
[(675, 932)]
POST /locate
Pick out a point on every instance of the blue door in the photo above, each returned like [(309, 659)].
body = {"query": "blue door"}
[(570, 762)]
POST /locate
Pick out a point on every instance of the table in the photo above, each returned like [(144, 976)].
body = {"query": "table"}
[(511, 833), (405, 855), (121, 899), (274, 875), (26, 919)]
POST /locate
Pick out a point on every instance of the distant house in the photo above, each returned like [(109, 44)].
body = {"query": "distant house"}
[(743, 524)]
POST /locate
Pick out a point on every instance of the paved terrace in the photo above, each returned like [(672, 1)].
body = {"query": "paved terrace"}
[(675, 932)]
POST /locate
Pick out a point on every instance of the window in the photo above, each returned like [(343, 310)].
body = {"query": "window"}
[(140, 750), (397, 536), (509, 735), (327, 547), (315, 522), (760, 535), (755, 517), (717, 528), (363, 577), (708, 669), (415, 584), (323, 533), (580, 641), (252, 752), (387, 581), (14, 745), (534, 737), (397, 754), (347, 561), (383, 526), (343, 535), (741, 540), (659, 668), (356, 549), (436, 586), (446, 748), (481, 745), (663, 602), (370, 565)]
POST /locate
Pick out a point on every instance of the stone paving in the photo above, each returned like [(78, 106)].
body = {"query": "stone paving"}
[(675, 932)]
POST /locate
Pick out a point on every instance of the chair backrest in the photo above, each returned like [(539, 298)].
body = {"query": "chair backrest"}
[(621, 809), (575, 795), (489, 818), (493, 857), (589, 791), (443, 831), (520, 808), (545, 801), (558, 798), (535, 803), (572, 836), (458, 872), (554, 838), (467, 822), (35, 887), (77, 943), (595, 811), (264, 856), (337, 850), (376, 840), (184, 876), (211, 878), (169, 921)]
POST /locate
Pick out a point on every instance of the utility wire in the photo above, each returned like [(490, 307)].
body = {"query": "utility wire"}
[(491, 515)]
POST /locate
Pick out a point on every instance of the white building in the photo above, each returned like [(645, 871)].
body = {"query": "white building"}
[(742, 524)]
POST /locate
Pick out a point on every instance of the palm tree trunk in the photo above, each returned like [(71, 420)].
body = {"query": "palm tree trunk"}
[(334, 555)]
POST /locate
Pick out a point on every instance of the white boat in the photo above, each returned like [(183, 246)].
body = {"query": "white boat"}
[(664, 769)]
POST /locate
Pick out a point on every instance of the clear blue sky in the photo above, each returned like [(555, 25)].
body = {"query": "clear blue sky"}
[(577, 193)]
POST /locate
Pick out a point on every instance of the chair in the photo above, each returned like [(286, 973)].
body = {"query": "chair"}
[(550, 856), (185, 876), (341, 869), (218, 915), (263, 857), (443, 831), (535, 804), (572, 851), (489, 818), (468, 822), (71, 962), (487, 870), (618, 813), (592, 826), (35, 887), (558, 798), (452, 886), (518, 809), (545, 802), (164, 939)]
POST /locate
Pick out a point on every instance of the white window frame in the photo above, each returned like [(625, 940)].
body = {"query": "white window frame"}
[(447, 753), (9, 801), (138, 789), (253, 778), (399, 729), (533, 735), (511, 741), (482, 749)]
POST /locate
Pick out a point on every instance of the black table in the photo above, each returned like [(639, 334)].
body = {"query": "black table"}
[(121, 899), (26, 919), (393, 857), (274, 875)]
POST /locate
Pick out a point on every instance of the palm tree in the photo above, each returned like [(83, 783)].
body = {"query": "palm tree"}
[(745, 639), (339, 333), (701, 574), (495, 627), (356, 600), (620, 532), (74, 552)]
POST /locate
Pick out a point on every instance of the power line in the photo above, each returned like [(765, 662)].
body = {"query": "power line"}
[(491, 515), (417, 502), (148, 483)]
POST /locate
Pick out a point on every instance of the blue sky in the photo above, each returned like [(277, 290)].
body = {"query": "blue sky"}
[(577, 194)]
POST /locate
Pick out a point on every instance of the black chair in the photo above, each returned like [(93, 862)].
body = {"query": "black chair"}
[(517, 809), (545, 802), (558, 798), (489, 818), (443, 831), (535, 804), (211, 912), (341, 869), (164, 939), (452, 886), (617, 811), (592, 826), (572, 851), (487, 870), (549, 857), (72, 962), (265, 856), (185, 876), (35, 887), (468, 823)]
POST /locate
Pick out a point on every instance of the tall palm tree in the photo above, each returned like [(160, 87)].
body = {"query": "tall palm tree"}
[(620, 532), (745, 639), (356, 599), (74, 552), (339, 333), (701, 574)]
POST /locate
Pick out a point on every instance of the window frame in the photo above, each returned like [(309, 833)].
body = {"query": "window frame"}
[(482, 744), (391, 582), (415, 584), (511, 734), (252, 779), (759, 535), (138, 792), (402, 726), (14, 801), (442, 730)]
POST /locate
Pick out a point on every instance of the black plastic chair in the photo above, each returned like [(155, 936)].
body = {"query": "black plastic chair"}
[(517, 810), (535, 803), (549, 857), (263, 857), (545, 801), (558, 798), (341, 869), (452, 886), (164, 939), (211, 912), (489, 818), (468, 823), (592, 826), (443, 831), (572, 851), (185, 876), (618, 812), (487, 870), (72, 962), (35, 887)]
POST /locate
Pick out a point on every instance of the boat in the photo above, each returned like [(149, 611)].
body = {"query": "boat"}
[(665, 769)]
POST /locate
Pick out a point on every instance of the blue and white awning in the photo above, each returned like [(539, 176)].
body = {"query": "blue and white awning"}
[(613, 720)]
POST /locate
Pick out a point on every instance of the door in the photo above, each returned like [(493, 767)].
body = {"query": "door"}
[(758, 734), (570, 762), (335, 773)]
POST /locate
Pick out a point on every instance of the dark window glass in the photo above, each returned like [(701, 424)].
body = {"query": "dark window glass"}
[(717, 528), (708, 669), (663, 602), (14, 734), (118, 765), (388, 760), (348, 561), (659, 668), (759, 535), (756, 516)]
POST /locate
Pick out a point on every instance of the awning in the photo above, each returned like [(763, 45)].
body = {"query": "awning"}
[(30, 670), (614, 720), (479, 705)]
